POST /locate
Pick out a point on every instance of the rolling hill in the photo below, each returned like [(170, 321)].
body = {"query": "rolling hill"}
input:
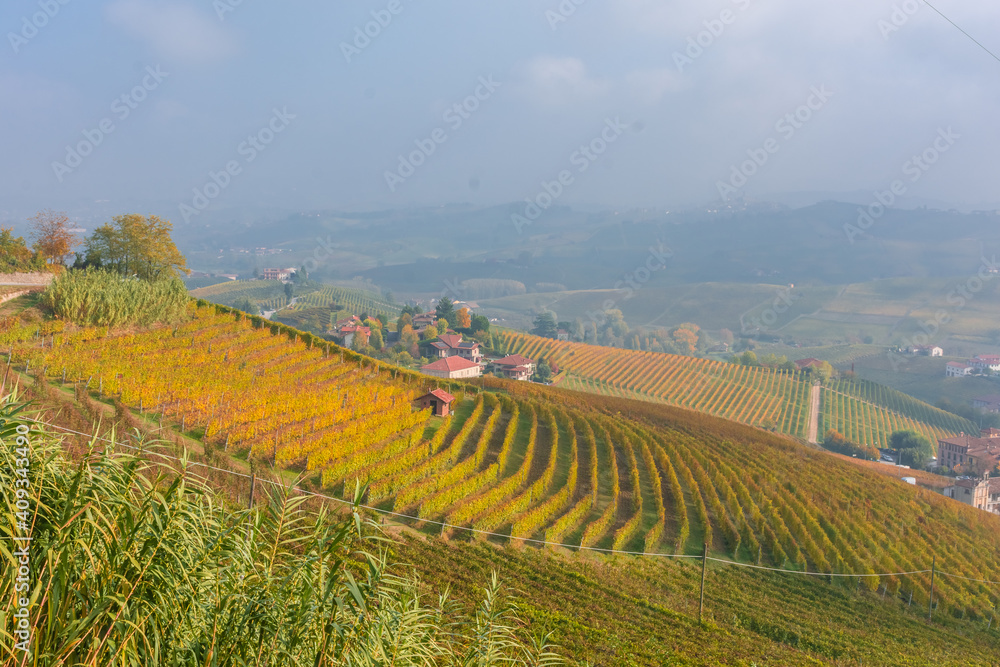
[(518, 462)]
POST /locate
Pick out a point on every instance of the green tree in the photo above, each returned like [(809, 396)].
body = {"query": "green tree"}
[(480, 323), (136, 245), (914, 448), (430, 333), (446, 310), (376, 340), (404, 320), (289, 291), (247, 306), (749, 358), (545, 326), (543, 372)]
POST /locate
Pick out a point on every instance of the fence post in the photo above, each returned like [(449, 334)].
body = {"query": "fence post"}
[(704, 566), (253, 483), (930, 600)]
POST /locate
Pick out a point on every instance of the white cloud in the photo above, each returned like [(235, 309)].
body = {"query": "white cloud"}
[(556, 81), (176, 32)]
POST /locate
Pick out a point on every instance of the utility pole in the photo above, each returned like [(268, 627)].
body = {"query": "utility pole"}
[(930, 601), (704, 567)]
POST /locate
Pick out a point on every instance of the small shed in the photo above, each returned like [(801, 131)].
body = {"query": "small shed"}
[(439, 401)]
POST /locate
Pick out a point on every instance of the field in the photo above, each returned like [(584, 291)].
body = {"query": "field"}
[(518, 461), (762, 397)]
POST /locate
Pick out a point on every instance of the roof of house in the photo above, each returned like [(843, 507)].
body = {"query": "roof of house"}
[(990, 358), (988, 398), (514, 360), (811, 361), (450, 364), (440, 394), (957, 364)]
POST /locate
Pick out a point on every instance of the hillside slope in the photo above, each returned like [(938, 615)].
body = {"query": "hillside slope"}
[(523, 462)]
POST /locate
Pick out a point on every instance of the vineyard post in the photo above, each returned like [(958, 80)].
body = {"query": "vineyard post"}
[(253, 483), (930, 600), (704, 567)]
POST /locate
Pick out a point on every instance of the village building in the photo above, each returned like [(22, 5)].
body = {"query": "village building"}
[(986, 362), (955, 369), (926, 350), (451, 345), (276, 274), (989, 403), (970, 452), (439, 401), (453, 368), (811, 362), (980, 492), (514, 367), (423, 320)]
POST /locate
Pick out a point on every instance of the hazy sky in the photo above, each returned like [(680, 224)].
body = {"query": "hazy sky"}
[(667, 97)]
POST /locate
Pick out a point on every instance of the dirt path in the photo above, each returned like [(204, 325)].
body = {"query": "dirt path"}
[(814, 413)]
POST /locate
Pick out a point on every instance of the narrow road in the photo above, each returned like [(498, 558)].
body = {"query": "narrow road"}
[(814, 413)]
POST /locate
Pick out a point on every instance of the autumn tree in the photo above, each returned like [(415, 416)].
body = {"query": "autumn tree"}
[(430, 333), (463, 318), (136, 245), (53, 235), (404, 320)]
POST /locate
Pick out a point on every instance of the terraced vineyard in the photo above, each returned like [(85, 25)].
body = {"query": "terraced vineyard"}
[(530, 462), (866, 413), (757, 396), (355, 301)]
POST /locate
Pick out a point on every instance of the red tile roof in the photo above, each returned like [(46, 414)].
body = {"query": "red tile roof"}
[(451, 340), (450, 364), (513, 360), (440, 394), (805, 363)]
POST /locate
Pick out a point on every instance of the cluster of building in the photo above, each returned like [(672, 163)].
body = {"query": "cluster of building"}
[(983, 363), (980, 492), (975, 454), (459, 359)]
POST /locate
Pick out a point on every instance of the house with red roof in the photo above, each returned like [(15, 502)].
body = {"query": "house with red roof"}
[(453, 368), (439, 401), (451, 345), (956, 369), (811, 362), (986, 362), (514, 367)]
